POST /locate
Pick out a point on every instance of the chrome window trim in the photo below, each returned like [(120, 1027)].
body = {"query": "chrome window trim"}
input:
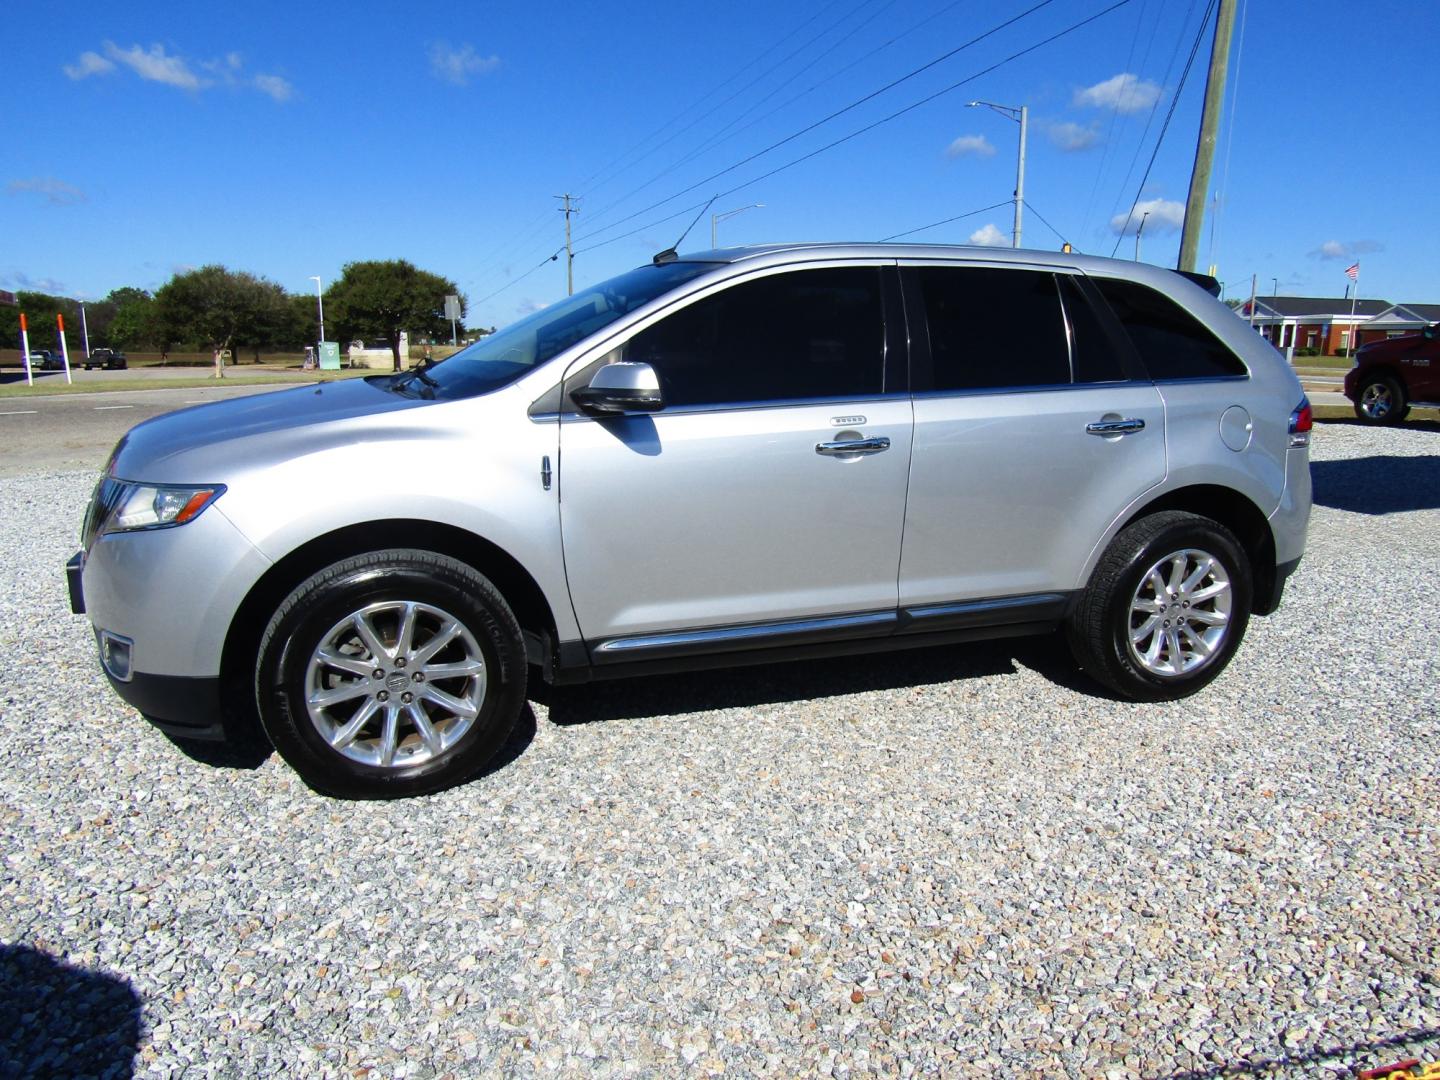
[(728, 406)]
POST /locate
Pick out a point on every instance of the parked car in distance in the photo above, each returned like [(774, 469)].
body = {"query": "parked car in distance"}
[(107, 359), (1392, 375), (765, 453), (45, 360)]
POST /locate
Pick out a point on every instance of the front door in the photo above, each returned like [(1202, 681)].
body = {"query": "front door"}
[(729, 507)]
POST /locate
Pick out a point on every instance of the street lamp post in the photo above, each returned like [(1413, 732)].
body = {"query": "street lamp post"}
[(1138, 231), (715, 219), (320, 303), (1021, 115)]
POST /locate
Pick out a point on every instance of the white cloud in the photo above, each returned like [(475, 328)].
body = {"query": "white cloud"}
[(1124, 93), (55, 192), (970, 146), (278, 88), (1072, 137), (1163, 215), (989, 236), (529, 307), (458, 66), (155, 65), (1347, 249), (90, 63)]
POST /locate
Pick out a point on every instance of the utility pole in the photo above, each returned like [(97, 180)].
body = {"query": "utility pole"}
[(1209, 127), (567, 210), (1021, 115)]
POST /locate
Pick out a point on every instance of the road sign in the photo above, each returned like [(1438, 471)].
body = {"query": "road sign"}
[(329, 356), (452, 307)]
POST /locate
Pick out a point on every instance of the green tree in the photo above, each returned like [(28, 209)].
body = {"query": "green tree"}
[(217, 308), (40, 310), (382, 298), (133, 324)]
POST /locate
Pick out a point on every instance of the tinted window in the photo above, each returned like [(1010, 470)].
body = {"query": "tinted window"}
[(1172, 343), (522, 346), (994, 328), (1093, 352), (803, 334)]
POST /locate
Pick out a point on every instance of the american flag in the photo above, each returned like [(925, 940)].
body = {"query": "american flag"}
[(1353, 271)]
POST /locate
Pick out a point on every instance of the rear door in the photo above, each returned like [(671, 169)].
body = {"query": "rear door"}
[(1033, 430)]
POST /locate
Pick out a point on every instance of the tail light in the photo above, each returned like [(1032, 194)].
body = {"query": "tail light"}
[(1301, 421)]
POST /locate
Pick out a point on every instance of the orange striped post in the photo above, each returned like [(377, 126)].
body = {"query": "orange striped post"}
[(64, 346), (25, 350)]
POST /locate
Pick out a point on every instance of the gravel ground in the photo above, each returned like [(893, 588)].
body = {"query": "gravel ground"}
[(950, 862)]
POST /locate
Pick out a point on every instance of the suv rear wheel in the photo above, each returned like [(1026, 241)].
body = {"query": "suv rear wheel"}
[(391, 674), (1165, 608), (1382, 401)]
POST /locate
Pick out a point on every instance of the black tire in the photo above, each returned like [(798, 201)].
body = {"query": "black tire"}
[(323, 609), (1381, 400), (1100, 630)]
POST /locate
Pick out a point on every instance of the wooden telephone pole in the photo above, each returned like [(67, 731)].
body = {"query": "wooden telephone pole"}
[(1209, 126)]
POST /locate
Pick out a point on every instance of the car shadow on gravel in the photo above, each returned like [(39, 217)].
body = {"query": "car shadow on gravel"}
[(250, 751), (64, 1020), (806, 680), (1370, 1055), (1378, 485)]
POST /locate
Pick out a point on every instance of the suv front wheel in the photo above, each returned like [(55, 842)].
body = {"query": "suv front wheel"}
[(390, 674), (1381, 401), (1165, 609)]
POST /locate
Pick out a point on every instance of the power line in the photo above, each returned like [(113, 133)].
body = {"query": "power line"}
[(721, 136), (841, 71), (516, 281), (1059, 235), (1184, 75), (947, 221), (834, 115), (1155, 105), (711, 112), (868, 127), (1215, 229), (668, 125), (526, 235)]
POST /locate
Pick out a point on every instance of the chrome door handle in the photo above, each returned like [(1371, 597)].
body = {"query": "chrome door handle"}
[(844, 448), (1115, 427)]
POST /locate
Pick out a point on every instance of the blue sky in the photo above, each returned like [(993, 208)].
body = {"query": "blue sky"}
[(287, 140)]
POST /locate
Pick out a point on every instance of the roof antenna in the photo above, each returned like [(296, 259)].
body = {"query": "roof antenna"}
[(668, 255)]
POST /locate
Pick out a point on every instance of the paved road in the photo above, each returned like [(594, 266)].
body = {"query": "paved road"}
[(77, 431)]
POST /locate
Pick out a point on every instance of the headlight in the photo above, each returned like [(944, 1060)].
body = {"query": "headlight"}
[(124, 506)]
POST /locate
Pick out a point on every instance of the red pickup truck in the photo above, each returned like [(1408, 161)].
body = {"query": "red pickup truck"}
[(1390, 376)]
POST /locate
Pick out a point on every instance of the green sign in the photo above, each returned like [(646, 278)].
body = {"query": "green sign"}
[(329, 356)]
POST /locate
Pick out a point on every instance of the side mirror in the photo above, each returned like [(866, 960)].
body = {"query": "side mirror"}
[(620, 388), (1431, 332)]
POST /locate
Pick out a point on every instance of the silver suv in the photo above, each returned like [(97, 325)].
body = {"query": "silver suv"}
[(724, 458)]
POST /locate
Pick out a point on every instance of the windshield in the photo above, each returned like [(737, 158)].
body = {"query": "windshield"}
[(521, 347)]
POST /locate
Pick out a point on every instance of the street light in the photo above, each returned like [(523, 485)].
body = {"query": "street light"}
[(320, 302), (715, 219), (1021, 115), (1138, 231)]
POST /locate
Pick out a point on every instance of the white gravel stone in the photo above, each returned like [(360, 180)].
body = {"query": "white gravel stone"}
[(958, 861)]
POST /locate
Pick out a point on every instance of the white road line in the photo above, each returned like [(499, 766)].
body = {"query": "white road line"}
[(197, 401), (102, 408), (21, 412)]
